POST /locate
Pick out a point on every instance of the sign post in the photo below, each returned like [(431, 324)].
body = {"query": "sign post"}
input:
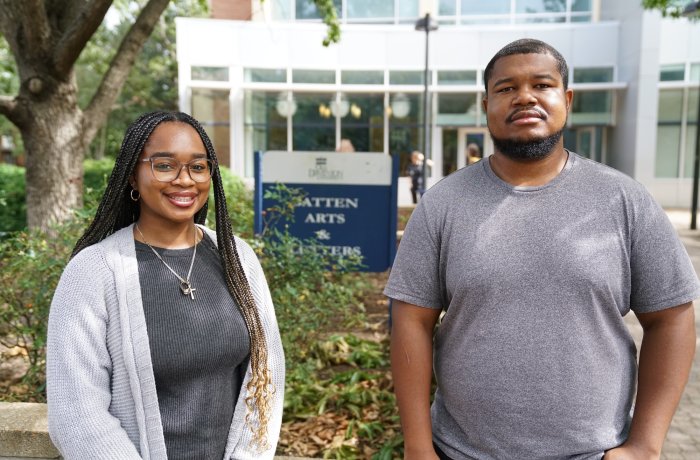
[(350, 204)]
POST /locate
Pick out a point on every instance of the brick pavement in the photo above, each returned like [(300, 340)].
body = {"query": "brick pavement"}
[(683, 439)]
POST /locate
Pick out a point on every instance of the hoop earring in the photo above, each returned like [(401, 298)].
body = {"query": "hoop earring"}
[(134, 198)]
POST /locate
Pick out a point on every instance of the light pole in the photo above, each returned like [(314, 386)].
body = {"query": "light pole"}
[(426, 24), (692, 10)]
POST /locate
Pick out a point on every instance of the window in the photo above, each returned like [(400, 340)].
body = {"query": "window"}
[(211, 108), (456, 77), (364, 122), (593, 74), (540, 6), (362, 77), (456, 109), (519, 11), (313, 125), (668, 134), (406, 77), (670, 105), (406, 133), (668, 140), (695, 73), (281, 10), (470, 7), (209, 73), (313, 76), (408, 9), (690, 132), (447, 8), (363, 9), (675, 72), (306, 9), (266, 75)]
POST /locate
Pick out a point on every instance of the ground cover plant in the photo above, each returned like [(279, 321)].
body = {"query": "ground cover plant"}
[(339, 401)]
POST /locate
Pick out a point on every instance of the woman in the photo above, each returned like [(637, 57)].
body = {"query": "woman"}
[(162, 339)]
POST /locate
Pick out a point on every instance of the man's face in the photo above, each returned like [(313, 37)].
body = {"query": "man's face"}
[(526, 105)]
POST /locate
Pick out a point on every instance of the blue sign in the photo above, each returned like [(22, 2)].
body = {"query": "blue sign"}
[(350, 201)]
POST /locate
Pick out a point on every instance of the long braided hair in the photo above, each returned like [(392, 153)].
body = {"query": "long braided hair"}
[(117, 210)]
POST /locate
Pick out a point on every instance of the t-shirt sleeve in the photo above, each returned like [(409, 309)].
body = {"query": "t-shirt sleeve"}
[(662, 274), (415, 274)]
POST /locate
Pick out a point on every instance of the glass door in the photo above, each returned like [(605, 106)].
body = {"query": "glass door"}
[(473, 144)]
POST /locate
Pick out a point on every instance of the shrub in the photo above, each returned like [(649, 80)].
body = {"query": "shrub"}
[(13, 206), (95, 176), (31, 264)]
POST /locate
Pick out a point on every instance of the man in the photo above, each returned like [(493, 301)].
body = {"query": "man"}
[(534, 255)]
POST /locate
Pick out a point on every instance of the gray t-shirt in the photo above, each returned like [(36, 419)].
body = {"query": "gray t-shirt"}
[(532, 357)]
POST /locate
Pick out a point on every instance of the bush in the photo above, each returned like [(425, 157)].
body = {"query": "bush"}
[(13, 205), (31, 264), (239, 202), (13, 202), (95, 176)]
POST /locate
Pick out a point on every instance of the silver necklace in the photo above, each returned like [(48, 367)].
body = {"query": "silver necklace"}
[(185, 285)]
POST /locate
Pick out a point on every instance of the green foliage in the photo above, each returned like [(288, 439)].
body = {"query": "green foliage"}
[(95, 176), (311, 287), (9, 85), (239, 202), (329, 16), (360, 399), (327, 10), (31, 264), (672, 8), (13, 206), (152, 82)]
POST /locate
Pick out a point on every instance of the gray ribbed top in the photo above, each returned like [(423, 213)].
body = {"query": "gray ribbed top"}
[(199, 348)]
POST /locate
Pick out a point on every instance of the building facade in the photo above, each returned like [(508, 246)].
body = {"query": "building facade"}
[(259, 78)]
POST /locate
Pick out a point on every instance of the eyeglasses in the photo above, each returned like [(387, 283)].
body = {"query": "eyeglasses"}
[(166, 169)]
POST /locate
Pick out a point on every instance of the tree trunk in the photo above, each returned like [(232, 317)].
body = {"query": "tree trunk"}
[(53, 140)]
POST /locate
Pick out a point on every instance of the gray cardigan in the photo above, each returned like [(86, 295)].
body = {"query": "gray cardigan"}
[(101, 390)]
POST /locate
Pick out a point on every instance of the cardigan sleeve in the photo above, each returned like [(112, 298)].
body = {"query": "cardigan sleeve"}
[(79, 365), (275, 359)]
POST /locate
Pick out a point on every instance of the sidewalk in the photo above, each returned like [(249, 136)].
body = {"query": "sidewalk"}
[(683, 440)]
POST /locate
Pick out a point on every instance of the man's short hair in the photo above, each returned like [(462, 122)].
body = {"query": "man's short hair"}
[(528, 46)]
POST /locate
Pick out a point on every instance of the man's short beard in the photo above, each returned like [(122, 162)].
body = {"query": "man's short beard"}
[(527, 150)]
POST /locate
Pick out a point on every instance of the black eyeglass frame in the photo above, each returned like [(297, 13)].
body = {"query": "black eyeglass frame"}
[(180, 166)]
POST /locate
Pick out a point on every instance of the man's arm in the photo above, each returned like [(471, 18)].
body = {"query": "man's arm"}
[(412, 369), (667, 351)]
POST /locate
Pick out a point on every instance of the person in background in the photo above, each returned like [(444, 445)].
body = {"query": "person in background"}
[(415, 173), (162, 337), (535, 255), (345, 146), (473, 153)]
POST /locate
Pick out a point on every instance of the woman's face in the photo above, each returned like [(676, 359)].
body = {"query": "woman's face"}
[(178, 200)]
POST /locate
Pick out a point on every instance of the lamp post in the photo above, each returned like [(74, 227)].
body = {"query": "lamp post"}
[(692, 10), (427, 25)]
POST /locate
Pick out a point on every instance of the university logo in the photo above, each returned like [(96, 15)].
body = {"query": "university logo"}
[(321, 171)]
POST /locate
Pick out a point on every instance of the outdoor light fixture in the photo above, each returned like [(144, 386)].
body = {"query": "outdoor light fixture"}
[(285, 105), (400, 105), (324, 111), (427, 25), (692, 10), (340, 106)]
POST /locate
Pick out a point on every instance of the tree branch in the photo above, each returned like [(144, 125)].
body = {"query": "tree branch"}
[(82, 27), (7, 105), (12, 110), (35, 26), (99, 107)]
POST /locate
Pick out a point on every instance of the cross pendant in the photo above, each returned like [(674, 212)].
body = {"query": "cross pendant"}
[(187, 289)]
